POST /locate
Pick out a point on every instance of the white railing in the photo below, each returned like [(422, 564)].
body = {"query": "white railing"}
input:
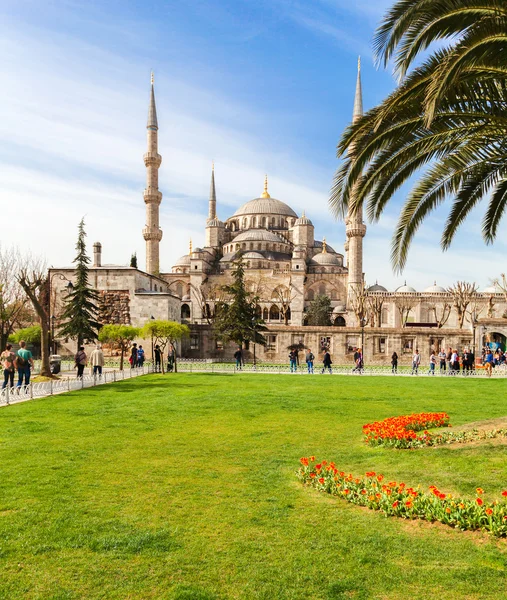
[(41, 389)]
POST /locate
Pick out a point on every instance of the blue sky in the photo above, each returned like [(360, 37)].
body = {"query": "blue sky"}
[(259, 86)]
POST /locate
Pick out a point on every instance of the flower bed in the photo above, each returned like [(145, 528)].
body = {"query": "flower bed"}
[(401, 432), (396, 499)]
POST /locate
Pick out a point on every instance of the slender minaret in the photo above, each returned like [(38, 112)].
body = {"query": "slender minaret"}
[(212, 212), (354, 226), (152, 197)]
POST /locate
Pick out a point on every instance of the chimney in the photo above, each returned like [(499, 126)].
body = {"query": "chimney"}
[(97, 254)]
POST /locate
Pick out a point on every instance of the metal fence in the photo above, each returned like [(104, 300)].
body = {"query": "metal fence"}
[(41, 389)]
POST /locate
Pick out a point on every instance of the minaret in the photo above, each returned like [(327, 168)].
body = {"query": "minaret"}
[(212, 212), (152, 197), (355, 229)]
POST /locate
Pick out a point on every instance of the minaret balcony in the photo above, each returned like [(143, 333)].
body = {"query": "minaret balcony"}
[(152, 159), (355, 230), (152, 196), (151, 234)]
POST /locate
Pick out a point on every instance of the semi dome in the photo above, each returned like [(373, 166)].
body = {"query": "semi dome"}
[(377, 288), (258, 235), (183, 261), (255, 255), (327, 259), (435, 289), (405, 289)]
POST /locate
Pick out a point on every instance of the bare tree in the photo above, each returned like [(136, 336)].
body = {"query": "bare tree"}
[(501, 283), (359, 302), (33, 278), (375, 303), (441, 312), (404, 304), (474, 310), (13, 310), (462, 293), (284, 295), (208, 296)]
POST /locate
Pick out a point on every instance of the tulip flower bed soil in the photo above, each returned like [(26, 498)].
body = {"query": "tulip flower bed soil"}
[(182, 487), (397, 499)]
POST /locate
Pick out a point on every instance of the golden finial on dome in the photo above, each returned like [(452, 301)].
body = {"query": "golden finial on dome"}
[(265, 193), (190, 246), (152, 78), (324, 246), (304, 213)]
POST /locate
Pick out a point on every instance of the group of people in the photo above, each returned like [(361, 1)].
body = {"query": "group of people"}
[(450, 362), (96, 361), (157, 355), (310, 361), (20, 362)]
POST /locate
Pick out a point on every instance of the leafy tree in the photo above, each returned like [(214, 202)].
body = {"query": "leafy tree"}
[(447, 115), (13, 312), (237, 319), (319, 310), (31, 335), (133, 260), (120, 337), (80, 312), (164, 333)]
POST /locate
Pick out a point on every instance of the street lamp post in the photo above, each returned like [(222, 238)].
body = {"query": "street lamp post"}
[(53, 319)]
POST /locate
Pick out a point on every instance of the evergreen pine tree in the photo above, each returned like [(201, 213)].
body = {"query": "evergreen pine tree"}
[(236, 320), (319, 310), (133, 260), (80, 312)]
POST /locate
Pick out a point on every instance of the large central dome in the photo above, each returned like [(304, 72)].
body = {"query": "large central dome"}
[(265, 206)]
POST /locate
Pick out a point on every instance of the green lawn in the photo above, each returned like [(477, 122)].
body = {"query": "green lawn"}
[(182, 487)]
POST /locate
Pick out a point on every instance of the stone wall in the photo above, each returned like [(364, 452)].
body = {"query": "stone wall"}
[(114, 307)]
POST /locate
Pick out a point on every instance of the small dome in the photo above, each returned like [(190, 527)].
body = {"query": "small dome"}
[(251, 255), (319, 246), (303, 220), (327, 259), (265, 206), (186, 298), (214, 223), (435, 289), (493, 289), (228, 257), (196, 250), (258, 235), (405, 289), (183, 261), (377, 288), (339, 308)]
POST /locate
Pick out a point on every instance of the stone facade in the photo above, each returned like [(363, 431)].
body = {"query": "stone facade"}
[(114, 307)]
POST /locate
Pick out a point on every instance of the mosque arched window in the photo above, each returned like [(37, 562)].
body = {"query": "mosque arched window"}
[(237, 246), (268, 247), (243, 246), (259, 265), (287, 313), (334, 294), (185, 311), (274, 313), (322, 290), (254, 222), (179, 290), (251, 246), (340, 322), (311, 295), (264, 221), (258, 312), (265, 314), (277, 266), (245, 221), (273, 221)]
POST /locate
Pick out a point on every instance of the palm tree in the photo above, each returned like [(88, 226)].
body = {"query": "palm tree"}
[(448, 114)]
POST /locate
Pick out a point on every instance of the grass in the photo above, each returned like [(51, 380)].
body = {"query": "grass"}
[(183, 488)]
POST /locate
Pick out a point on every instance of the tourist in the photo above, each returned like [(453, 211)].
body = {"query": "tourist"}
[(394, 363), (455, 362), (80, 360), (158, 359), (171, 358), (442, 356), (140, 356), (449, 360), (309, 360), (466, 361), (433, 362), (293, 361), (8, 359), (97, 360), (133, 356), (327, 362), (489, 362), (238, 355), (24, 364), (416, 361)]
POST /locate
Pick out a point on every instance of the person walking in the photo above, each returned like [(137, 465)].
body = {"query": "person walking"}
[(293, 361), (327, 362), (416, 361), (238, 355), (158, 359), (8, 359), (433, 362), (133, 356), (309, 360), (97, 360), (442, 357), (489, 362), (80, 359), (448, 358), (24, 364), (394, 363), (140, 356)]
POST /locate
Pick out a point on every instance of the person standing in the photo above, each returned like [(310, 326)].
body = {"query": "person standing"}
[(238, 355), (8, 359), (394, 363), (171, 358), (140, 356), (442, 357), (416, 361), (489, 362), (455, 362), (448, 358), (24, 363), (80, 360), (327, 362), (293, 361), (133, 356), (433, 362), (158, 359), (309, 360), (97, 360)]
